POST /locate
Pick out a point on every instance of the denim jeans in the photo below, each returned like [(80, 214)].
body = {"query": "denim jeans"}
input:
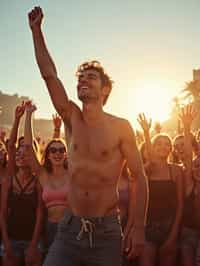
[(190, 239), (51, 230), (19, 247), (86, 241)]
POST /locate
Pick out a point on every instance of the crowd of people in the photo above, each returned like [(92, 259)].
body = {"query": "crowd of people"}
[(102, 196), (35, 185)]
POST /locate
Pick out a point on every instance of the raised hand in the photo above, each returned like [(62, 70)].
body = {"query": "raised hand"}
[(187, 116), (146, 125), (35, 17), (57, 121), (30, 107), (19, 111)]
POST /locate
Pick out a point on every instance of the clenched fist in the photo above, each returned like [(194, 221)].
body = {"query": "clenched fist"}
[(35, 17)]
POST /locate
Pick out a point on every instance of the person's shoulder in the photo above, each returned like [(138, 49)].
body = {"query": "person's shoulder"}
[(196, 161), (117, 120), (176, 166), (70, 107), (38, 184), (43, 177), (177, 170), (6, 181), (73, 105), (76, 111)]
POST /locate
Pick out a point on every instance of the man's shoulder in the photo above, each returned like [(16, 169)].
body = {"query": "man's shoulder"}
[(74, 106), (73, 109), (118, 120), (121, 125)]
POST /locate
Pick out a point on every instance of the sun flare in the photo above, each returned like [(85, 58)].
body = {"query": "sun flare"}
[(153, 99)]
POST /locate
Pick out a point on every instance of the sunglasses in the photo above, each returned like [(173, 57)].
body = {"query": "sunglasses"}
[(54, 150)]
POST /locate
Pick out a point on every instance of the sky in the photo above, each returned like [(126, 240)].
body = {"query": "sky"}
[(148, 47)]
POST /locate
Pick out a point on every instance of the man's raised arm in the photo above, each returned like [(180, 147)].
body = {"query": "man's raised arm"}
[(47, 67)]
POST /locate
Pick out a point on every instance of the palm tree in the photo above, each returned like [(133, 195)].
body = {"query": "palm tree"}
[(192, 90)]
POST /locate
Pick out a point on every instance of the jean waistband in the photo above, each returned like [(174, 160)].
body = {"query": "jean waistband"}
[(70, 217)]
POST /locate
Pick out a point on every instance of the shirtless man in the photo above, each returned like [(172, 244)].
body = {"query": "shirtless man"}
[(99, 144)]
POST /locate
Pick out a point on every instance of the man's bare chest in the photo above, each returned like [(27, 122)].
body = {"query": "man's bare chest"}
[(98, 143)]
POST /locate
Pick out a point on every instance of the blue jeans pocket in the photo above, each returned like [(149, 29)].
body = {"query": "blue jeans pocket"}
[(112, 230)]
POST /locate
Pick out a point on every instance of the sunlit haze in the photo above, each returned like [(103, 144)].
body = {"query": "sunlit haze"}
[(149, 48), (153, 99)]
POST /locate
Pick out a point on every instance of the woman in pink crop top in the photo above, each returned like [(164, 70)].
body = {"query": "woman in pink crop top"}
[(53, 175)]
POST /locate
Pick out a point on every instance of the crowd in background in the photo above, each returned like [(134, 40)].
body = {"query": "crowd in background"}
[(34, 186)]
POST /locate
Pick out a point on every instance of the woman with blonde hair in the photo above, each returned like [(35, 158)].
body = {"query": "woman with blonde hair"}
[(165, 200)]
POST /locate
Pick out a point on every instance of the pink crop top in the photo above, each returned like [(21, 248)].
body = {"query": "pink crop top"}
[(55, 196)]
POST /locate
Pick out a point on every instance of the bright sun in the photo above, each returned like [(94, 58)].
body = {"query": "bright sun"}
[(154, 100)]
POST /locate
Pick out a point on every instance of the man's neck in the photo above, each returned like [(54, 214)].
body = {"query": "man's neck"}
[(92, 113)]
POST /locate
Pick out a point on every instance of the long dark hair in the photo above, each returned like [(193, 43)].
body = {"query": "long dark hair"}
[(45, 160)]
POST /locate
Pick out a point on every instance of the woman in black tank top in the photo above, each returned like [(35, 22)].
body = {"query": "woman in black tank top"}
[(3, 161), (3, 170), (165, 201), (190, 231), (22, 209)]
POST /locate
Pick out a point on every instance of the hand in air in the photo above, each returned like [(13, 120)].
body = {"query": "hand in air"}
[(35, 17), (187, 115), (19, 111), (30, 107), (144, 123), (57, 121)]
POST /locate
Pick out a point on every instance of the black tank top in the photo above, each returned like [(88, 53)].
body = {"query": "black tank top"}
[(162, 199), (22, 208)]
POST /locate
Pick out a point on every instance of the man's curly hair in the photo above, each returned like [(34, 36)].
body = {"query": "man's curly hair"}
[(95, 65)]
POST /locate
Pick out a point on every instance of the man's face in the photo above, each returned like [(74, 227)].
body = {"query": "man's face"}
[(89, 86)]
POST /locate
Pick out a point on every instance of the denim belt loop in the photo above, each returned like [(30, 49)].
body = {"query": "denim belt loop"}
[(68, 218)]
